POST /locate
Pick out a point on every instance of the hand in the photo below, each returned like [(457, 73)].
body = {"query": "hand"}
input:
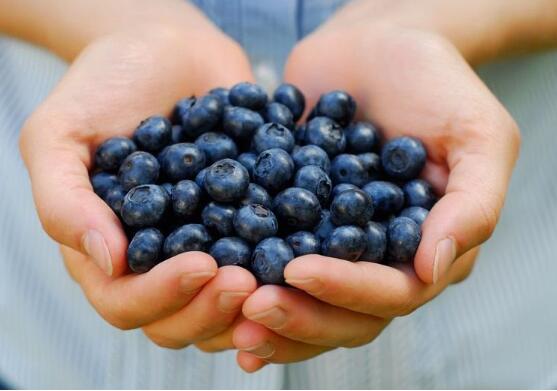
[(408, 82), (116, 81)]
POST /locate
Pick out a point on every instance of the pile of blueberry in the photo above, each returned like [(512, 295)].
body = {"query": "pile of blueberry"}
[(233, 175)]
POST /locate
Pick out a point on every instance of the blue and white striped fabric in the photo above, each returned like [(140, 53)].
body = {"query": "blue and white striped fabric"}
[(497, 329)]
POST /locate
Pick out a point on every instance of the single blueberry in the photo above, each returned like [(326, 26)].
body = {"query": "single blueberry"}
[(216, 146), (231, 251), (153, 133), (144, 206), (279, 114), (346, 242), (222, 94), (189, 237), (272, 135), (351, 207), (273, 169), (327, 134), (404, 237), (203, 116), (388, 198), (304, 243), (416, 213), (372, 164), (181, 161), (346, 168), (114, 197), (186, 198), (269, 259), (254, 223), (218, 219), (112, 152), (144, 251), (248, 95), (325, 226), (336, 105), (290, 96), (403, 158), (311, 155), (362, 137), (200, 178), (299, 134), (297, 208), (376, 242), (102, 182), (181, 108), (139, 168), (418, 192), (342, 187), (256, 195), (240, 123), (247, 159), (226, 180), (314, 179)]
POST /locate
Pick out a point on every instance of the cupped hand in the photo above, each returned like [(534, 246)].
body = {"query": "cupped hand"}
[(408, 82), (115, 82)]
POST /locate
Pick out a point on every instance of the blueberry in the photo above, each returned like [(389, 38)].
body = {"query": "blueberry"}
[(299, 134), (314, 179), (114, 197), (291, 97), (181, 161), (351, 207), (404, 236), (327, 134), (279, 114), (144, 206), (176, 134), (269, 259), (247, 159), (153, 134), (311, 155), (336, 105), (325, 226), (387, 198), (273, 169), (403, 158), (304, 243), (218, 218), (144, 251), (376, 242), (240, 123), (181, 108), (362, 137), (216, 146), (272, 135), (139, 168), (416, 213), (372, 164), (203, 116), (231, 251), (256, 195), (419, 193), (254, 222), (112, 152), (297, 208), (226, 180), (346, 168), (342, 187), (102, 182), (248, 95), (200, 178), (347, 242), (189, 237), (222, 94), (186, 198)]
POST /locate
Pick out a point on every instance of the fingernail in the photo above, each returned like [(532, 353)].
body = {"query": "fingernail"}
[(445, 254), (263, 350), (275, 318), (96, 248), (310, 285), (231, 301), (191, 282)]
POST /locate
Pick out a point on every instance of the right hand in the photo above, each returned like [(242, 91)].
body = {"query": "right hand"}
[(115, 82)]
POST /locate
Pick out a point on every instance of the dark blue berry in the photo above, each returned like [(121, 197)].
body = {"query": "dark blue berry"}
[(216, 146), (240, 123), (231, 251), (102, 182), (346, 168), (153, 134), (404, 237), (325, 226), (314, 179), (218, 218), (203, 116), (200, 178), (299, 134), (403, 158), (376, 242), (112, 152), (297, 208), (388, 198), (351, 207), (269, 260), (256, 195), (418, 192), (226, 180), (342, 187), (181, 108), (139, 168), (304, 243), (416, 213), (279, 114), (144, 206), (347, 242), (336, 105), (362, 137), (311, 155), (176, 134), (222, 94), (247, 159), (254, 222), (189, 237), (327, 134), (114, 197), (248, 95), (181, 161), (186, 198), (144, 251), (291, 97), (273, 169), (272, 135), (372, 164)]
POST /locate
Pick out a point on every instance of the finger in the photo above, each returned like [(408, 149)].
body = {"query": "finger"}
[(298, 316), (256, 341), (212, 311), (222, 341), (134, 300)]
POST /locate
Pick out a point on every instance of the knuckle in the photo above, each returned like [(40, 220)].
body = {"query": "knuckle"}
[(209, 347), (164, 341)]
